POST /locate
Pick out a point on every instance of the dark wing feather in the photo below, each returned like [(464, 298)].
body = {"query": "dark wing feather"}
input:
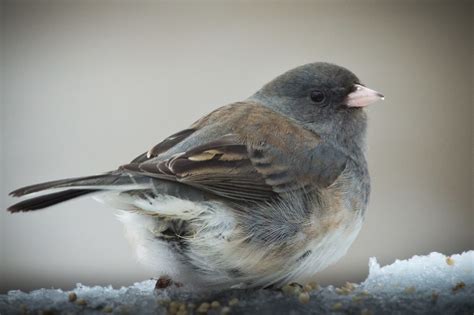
[(169, 142), (266, 155), (233, 170), (163, 146), (221, 167)]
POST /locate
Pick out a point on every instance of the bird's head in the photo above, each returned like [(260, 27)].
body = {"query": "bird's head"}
[(326, 98)]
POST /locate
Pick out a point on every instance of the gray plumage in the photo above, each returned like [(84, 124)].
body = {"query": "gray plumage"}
[(261, 192)]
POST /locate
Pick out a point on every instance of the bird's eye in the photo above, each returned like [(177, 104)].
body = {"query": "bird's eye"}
[(317, 96)]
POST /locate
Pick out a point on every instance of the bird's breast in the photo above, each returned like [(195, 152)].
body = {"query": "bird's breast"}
[(334, 223)]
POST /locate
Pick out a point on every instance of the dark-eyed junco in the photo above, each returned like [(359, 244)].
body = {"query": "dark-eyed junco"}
[(261, 192)]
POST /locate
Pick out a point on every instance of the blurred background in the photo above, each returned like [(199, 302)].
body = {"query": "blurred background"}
[(87, 86)]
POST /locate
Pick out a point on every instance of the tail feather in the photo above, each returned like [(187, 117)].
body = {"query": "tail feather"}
[(79, 186), (48, 200), (104, 181), (52, 184)]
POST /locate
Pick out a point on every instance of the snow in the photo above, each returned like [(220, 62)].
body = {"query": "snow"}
[(432, 284)]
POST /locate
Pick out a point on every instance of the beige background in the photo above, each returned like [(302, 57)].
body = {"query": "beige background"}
[(86, 87)]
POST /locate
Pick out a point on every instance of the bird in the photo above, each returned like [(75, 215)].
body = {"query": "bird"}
[(258, 193)]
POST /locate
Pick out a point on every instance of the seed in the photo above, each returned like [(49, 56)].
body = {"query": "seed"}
[(72, 296), (346, 289), (203, 308), (458, 286), (233, 302), (225, 310), (215, 304), (304, 297), (350, 286), (289, 290), (297, 290), (343, 291), (314, 285), (449, 261)]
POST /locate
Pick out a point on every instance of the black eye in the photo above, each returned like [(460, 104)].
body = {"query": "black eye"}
[(317, 96)]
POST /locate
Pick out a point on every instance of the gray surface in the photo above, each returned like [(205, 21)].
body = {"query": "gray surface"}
[(325, 301), (422, 285), (88, 86)]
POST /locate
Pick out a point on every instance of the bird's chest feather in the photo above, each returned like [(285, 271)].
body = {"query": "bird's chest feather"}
[(322, 234), (327, 240), (332, 227)]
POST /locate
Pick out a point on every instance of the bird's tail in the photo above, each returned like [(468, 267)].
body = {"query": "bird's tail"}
[(76, 187)]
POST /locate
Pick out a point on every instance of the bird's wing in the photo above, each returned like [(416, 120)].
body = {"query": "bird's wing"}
[(265, 155), (164, 145)]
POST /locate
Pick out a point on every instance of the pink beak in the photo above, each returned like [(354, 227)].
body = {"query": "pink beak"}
[(362, 96)]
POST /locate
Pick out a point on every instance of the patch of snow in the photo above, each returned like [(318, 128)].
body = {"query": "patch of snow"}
[(425, 273)]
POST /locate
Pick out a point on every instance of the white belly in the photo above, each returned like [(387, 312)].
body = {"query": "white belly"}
[(217, 253), (210, 220), (153, 253)]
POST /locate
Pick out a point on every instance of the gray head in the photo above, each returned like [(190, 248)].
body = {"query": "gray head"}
[(324, 97)]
